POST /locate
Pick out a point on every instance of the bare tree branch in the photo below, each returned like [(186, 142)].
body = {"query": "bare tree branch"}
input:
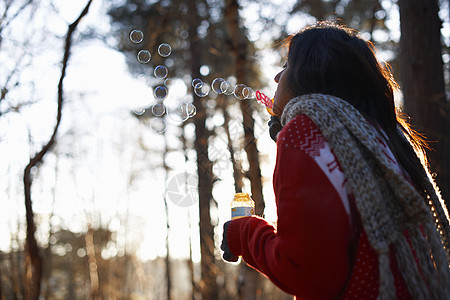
[(33, 262), (4, 24), (10, 81)]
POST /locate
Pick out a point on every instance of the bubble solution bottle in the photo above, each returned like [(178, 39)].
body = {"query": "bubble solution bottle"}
[(242, 206)]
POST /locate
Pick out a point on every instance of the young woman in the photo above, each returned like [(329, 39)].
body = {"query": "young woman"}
[(358, 215)]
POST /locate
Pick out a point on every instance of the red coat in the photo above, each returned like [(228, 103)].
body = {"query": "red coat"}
[(318, 250)]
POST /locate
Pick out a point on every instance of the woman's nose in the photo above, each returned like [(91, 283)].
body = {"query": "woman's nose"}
[(277, 77)]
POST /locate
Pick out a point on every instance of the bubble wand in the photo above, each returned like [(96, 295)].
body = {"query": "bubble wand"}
[(261, 97)]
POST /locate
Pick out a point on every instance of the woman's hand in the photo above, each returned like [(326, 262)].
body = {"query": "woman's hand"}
[(274, 127), (227, 255)]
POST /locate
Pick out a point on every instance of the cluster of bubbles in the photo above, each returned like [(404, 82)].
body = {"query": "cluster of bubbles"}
[(222, 86), (184, 110), (144, 56), (180, 113)]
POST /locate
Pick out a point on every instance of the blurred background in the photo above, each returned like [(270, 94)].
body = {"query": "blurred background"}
[(120, 153)]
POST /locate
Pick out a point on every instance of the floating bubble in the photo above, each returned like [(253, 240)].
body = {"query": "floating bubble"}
[(158, 109), (160, 72), (164, 50), (226, 88), (139, 110), (160, 92), (191, 110), (215, 85), (196, 81), (248, 93), (145, 79), (136, 36), (179, 113), (239, 91), (169, 62), (158, 125), (202, 89), (144, 56), (167, 82), (184, 34)]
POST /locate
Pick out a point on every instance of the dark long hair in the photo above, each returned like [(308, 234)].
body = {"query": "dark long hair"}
[(333, 59)]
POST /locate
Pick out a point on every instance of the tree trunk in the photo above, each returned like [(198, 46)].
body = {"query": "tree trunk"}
[(92, 264), (239, 49), (16, 275), (423, 82), (167, 258), (208, 283), (33, 258), (237, 168), (166, 208), (71, 283), (190, 261)]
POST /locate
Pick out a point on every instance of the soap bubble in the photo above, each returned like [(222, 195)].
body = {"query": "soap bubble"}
[(184, 34), (167, 82), (139, 110), (145, 79), (248, 93), (196, 81), (179, 113), (226, 88), (160, 92), (169, 62), (191, 110), (202, 89), (164, 50), (239, 91), (158, 125), (158, 109), (160, 72), (144, 56), (136, 36), (215, 85)]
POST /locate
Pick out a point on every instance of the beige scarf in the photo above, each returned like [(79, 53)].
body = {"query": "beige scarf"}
[(387, 203)]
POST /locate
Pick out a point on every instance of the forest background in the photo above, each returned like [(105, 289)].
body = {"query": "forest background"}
[(106, 196)]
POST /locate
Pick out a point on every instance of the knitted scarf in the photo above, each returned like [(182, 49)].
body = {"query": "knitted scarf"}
[(387, 203)]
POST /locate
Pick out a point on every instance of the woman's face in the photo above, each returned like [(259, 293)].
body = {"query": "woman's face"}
[(282, 94)]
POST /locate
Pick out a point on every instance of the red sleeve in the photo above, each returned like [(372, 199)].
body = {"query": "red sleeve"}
[(307, 254)]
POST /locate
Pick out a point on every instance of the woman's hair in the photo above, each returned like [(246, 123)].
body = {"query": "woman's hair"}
[(329, 58)]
